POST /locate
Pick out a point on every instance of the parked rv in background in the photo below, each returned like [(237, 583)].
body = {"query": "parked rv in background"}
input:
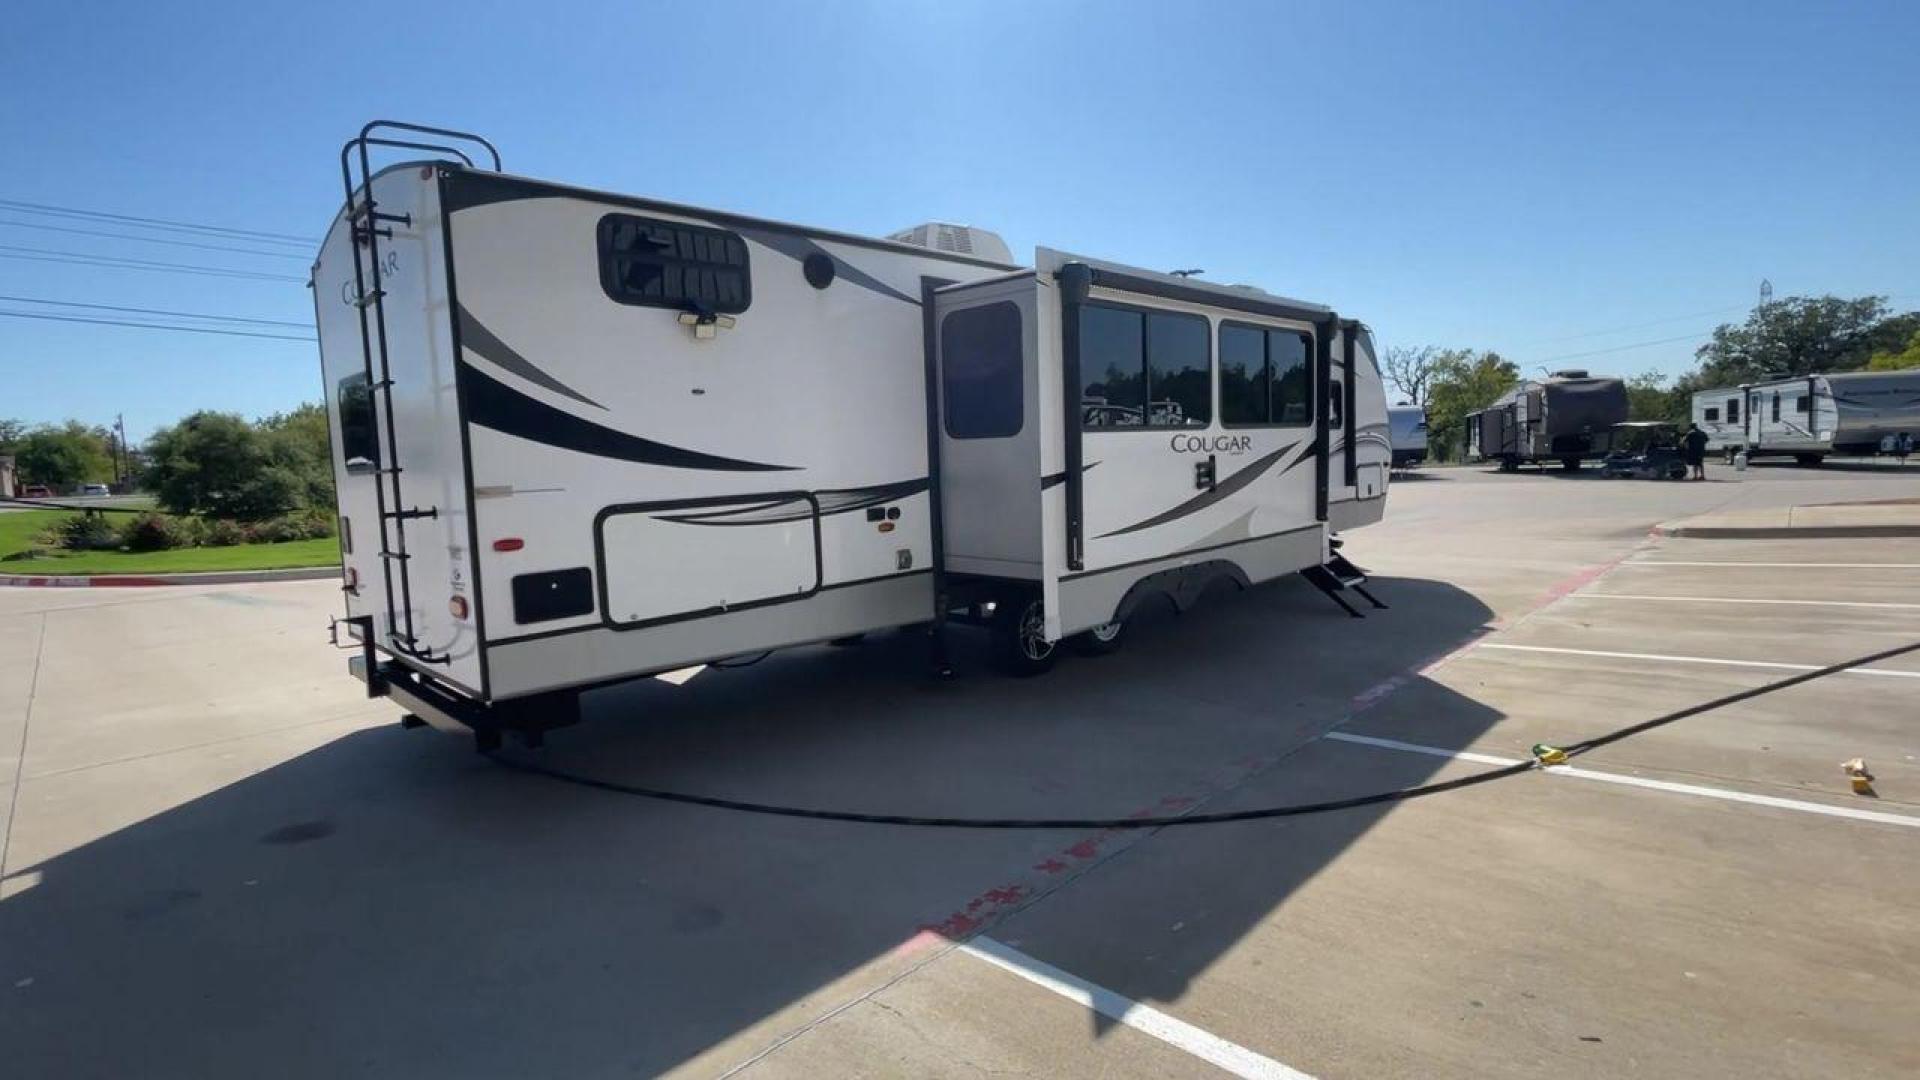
[(582, 437), (1807, 417), (1407, 430), (1567, 417)]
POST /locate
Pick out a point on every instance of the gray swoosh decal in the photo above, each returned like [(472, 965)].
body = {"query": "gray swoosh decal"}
[(475, 335), (1205, 499), (798, 248), (1055, 479), (841, 501)]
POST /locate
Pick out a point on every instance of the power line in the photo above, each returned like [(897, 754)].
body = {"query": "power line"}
[(154, 240), (1623, 348), (83, 259), (150, 326), (157, 223), (158, 311), (1636, 326)]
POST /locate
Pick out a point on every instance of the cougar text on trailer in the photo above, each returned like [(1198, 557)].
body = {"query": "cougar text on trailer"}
[(581, 437)]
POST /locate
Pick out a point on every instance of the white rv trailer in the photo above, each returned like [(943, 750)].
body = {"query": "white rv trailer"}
[(581, 437), (1407, 431), (1808, 417)]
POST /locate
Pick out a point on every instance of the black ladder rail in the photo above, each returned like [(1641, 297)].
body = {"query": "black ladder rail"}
[(362, 207)]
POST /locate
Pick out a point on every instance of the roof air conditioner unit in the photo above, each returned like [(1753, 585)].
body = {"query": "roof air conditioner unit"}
[(958, 239)]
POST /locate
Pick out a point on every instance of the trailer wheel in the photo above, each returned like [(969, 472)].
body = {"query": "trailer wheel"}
[(1100, 640), (1509, 464), (1570, 464), (1020, 642), (1675, 471), (1810, 461)]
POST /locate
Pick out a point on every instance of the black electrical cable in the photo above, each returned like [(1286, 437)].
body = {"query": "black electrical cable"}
[(45, 317), (307, 325), (1263, 813), (155, 223)]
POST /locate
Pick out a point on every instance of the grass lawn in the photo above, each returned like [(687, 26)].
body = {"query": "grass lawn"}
[(19, 527)]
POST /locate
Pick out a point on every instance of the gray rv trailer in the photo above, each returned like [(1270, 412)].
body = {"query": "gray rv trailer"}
[(1567, 417), (1808, 417)]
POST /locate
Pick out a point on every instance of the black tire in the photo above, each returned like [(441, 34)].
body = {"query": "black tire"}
[(1509, 464), (1675, 471), (1100, 640), (1809, 461), (1570, 464), (1020, 648)]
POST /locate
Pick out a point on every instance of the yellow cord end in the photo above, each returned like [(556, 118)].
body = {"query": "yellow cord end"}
[(1549, 755)]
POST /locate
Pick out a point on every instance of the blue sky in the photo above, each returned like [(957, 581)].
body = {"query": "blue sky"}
[(1543, 179)]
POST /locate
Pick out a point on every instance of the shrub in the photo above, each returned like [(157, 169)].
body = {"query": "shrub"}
[(219, 532), (87, 532), (317, 523), (156, 532)]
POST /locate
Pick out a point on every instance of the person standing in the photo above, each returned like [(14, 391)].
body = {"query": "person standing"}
[(1694, 448)]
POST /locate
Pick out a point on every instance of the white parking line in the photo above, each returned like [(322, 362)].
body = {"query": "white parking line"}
[(1205, 1045), (1664, 658), (1636, 781), (1746, 600), (1784, 565)]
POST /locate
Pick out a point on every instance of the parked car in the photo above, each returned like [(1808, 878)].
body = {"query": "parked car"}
[(36, 491), (95, 490)]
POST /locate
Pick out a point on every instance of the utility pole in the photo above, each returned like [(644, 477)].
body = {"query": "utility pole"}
[(120, 460)]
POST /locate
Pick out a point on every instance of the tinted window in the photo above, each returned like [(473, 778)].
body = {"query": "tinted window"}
[(1179, 382), (1292, 391), (1713, 415), (1243, 375), (1113, 378), (980, 378), (1733, 410), (1265, 377), (1800, 403), (359, 445), (671, 264), (1776, 406)]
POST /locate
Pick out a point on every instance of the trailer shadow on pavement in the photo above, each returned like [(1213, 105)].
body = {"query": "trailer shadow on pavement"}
[(392, 904)]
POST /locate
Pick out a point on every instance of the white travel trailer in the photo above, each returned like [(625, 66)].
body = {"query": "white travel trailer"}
[(581, 437), (1808, 417), (1407, 431)]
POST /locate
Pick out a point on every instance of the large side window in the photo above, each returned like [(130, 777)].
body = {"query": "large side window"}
[(1733, 410), (359, 444), (1113, 376), (980, 371), (1143, 369), (1776, 406), (649, 262), (1713, 415), (1800, 403), (1265, 377)]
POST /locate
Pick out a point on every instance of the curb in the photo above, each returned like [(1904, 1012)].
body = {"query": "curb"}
[(124, 581), (1784, 532)]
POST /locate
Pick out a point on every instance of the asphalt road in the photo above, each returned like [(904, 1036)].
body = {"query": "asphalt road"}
[(220, 860)]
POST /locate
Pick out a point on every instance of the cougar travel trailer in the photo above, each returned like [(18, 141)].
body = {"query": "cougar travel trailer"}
[(580, 437), (1808, 417), (1566, 417), (1407, 432)]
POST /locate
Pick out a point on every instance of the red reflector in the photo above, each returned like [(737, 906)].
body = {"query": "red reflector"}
[(458, 605), (509, 543), (886, 526)]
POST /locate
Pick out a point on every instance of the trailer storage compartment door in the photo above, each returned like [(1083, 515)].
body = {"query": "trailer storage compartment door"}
[(665, 561)]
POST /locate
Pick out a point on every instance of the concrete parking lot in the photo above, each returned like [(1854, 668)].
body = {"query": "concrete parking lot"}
[(220, 860)]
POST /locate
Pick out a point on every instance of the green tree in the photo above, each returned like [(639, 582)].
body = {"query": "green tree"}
[(64, 456), (1903, 360), (1462, 381), (218, 464), (1796, 336), (298, 441), (1650, 398)]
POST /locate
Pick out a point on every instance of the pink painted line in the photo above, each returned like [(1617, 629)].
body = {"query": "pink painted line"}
[(1002, 900)]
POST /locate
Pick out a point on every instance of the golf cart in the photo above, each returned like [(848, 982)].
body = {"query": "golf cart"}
[(1645, 450)]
